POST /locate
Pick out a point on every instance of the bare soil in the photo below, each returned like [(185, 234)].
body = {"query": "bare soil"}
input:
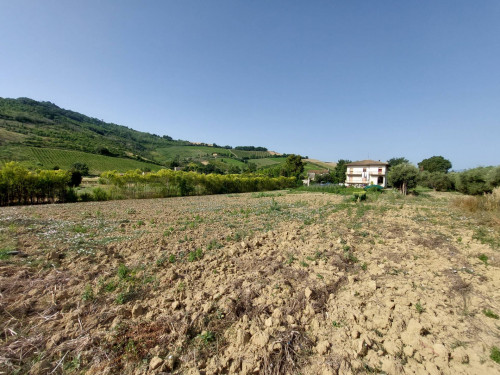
[(268, 283)]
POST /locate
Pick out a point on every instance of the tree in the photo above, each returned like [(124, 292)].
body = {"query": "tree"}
[(435, 164), (474, 181), (396, 161), (403, 177), (80, 167), (438, 181), (293, 166), (338, 173)]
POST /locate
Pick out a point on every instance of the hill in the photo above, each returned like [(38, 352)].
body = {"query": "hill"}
[(43, 135), (26, 125)]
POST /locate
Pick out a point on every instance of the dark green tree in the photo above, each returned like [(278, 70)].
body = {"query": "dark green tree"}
[(395, 161), (435, 164), (293, 166), (403, 177), (338, 173), (80, 167)]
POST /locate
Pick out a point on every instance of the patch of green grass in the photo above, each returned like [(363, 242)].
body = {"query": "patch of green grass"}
[(483, 258), (304, 264), (78, 228), (420, 309), (88, 293), (490, 314), (214, 244), (125, 296), (206, 337), (336, 324), (495, 354), (364, 266), (5, 253), (195, 255), (123, 272)]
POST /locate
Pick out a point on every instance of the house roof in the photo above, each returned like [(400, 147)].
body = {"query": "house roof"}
[(366, 162)]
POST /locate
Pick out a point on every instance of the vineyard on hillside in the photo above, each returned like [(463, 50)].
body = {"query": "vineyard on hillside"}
[(49, 158)]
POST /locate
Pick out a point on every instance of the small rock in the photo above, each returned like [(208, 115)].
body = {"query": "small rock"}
[(323, 347), (155, 363), (269, 322), (170, 362), (308, 292), (372, 285), (260, 339), (242, 337), (176, 305), (362, 348), (408, 351), (138, 310), (393, 347)]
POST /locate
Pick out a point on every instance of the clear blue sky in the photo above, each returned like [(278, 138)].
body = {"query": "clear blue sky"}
[(327, 79)]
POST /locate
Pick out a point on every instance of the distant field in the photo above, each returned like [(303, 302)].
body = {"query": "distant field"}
[(313, 166), (190, 152), (250, 154), (48, 158), (267, 162)]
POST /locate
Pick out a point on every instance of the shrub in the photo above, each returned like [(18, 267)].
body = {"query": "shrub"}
[(359, 196), (100, 194)]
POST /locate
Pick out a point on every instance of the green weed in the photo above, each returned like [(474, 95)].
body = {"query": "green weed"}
[(495, 354), (490, 314), (195, 255)]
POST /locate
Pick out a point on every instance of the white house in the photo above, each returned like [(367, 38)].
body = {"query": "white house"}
[(366, 172)]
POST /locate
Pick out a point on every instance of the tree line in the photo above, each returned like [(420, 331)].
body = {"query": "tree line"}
[(18, 185)]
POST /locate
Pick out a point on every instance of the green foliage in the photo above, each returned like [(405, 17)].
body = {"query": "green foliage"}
[(166, 183), (438, 181), (80, 167), (339, 173), (123, 272), (435, 164), (100, 194), (293, 166), (420, 309), (403, 177), (88, 293), (195, 255), (19, 185), (483, 258), (495, 354), (396, 161), (490, 314), (359, 196), (477, 181)]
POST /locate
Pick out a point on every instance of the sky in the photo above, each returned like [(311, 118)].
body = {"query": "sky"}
[(325, 79)]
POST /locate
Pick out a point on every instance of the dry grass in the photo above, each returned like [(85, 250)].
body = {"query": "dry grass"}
[(486, 202), (289, 353)]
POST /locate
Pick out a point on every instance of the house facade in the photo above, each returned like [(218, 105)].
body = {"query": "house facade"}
[(366, 172)]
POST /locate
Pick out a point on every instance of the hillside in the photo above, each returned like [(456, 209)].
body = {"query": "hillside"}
[(26, 124)]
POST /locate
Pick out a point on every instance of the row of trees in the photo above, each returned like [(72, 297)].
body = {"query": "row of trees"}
[(167, 183), (433, 173), (18, 185)]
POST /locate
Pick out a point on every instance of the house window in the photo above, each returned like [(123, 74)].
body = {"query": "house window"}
[(380, 171), (364, 169)]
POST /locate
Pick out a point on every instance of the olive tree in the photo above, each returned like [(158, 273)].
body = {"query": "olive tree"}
[(403, 176)]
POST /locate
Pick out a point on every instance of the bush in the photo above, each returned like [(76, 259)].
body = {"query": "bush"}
[(359, 196), (474, 181), (100, 194)]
